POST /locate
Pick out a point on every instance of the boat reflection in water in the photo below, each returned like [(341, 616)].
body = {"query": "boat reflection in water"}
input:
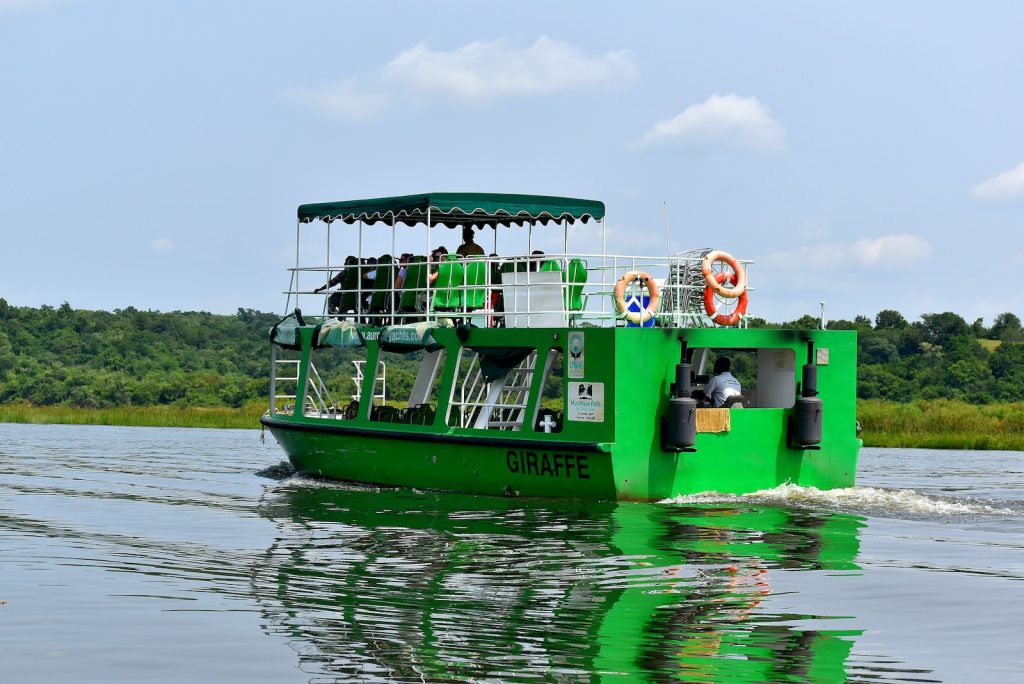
[(399, 585)]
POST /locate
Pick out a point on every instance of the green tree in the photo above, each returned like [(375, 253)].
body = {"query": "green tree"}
[(1007, 327), (940, 327)]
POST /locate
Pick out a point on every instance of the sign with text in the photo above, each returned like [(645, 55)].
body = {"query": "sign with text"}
[(575, 354), (586, 402)]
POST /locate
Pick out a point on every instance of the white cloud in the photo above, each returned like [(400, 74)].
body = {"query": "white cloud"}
[(484, 71), (730, 120), (16, 5), (1006, 186), (886, 252), (891, 250), (478, 72), (162, 245), (343, 100)]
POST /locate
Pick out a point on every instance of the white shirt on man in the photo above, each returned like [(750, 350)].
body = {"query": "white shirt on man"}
[(721, 387)]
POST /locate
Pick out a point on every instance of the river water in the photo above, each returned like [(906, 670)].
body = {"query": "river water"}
[(166, 555)]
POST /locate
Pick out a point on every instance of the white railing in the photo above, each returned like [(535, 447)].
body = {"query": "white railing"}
[(286, 371), (496, 404), (380, 380), (319, 401), (538, 290)]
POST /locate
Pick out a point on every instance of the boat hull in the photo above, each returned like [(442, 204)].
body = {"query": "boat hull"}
[(502, 467), (519, 467)]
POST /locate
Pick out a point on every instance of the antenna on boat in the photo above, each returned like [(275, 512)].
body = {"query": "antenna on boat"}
[(668, 243)]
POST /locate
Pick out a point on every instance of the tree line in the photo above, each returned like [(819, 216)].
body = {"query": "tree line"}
[(940, 356), (65, 356)]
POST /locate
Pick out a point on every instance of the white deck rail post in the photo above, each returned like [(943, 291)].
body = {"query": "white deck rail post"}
[(426, 305), (360, 267), (330, 273)]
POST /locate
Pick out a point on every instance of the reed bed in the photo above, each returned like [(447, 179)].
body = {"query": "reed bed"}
[(140, 416), (942, 424), (934, 424)]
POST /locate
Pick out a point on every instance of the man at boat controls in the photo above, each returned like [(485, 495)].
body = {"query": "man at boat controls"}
[(723, 385), (468, 247)]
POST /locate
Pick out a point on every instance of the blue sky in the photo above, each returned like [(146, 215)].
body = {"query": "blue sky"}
[(869, 155)]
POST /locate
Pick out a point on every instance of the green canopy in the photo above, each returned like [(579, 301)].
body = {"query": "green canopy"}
[(456, 209)]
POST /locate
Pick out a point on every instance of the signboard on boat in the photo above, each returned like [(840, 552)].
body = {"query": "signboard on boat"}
[(575, 354), (586, 402)]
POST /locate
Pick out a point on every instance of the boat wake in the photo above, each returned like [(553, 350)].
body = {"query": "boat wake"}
[(862, 500), (280, 471)]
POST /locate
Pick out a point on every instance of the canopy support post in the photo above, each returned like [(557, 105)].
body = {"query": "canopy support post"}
[(359, 280), (330, 273), (295, 275), (394, 272), (604, 254), (426, 305), (565, 240)]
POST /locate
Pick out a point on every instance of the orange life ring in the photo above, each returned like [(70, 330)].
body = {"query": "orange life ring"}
[(711, 281), (638, 317), (709, 302)]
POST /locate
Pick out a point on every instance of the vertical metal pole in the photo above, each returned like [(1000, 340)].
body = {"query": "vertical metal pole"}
[(273, 378), (529, 264), (298, 225), (668, 242), (330, 273), (604, 255), (359, 281), (426, 306), (394, 271)]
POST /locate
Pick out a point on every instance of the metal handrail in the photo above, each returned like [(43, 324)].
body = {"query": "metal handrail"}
[(681, 292)]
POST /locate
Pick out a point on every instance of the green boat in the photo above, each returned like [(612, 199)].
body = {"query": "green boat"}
[(564, 374)]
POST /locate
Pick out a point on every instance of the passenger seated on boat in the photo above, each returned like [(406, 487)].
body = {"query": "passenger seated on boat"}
[(403, 270), (534, 263), (723, 385), (436, 257), (468, 247), (343, 300), (369, 272), (339, 277)]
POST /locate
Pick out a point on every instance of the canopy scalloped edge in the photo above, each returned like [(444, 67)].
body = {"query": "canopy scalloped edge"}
[(456, 209)]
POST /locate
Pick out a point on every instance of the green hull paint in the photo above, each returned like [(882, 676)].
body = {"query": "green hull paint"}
[(454, 466), (619, 457)]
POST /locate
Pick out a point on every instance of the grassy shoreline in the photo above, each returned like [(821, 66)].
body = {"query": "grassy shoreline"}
[(942, 424), (938, 424), (136, 416)]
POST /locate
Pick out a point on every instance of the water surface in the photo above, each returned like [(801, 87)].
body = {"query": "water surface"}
[(160, 555)]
